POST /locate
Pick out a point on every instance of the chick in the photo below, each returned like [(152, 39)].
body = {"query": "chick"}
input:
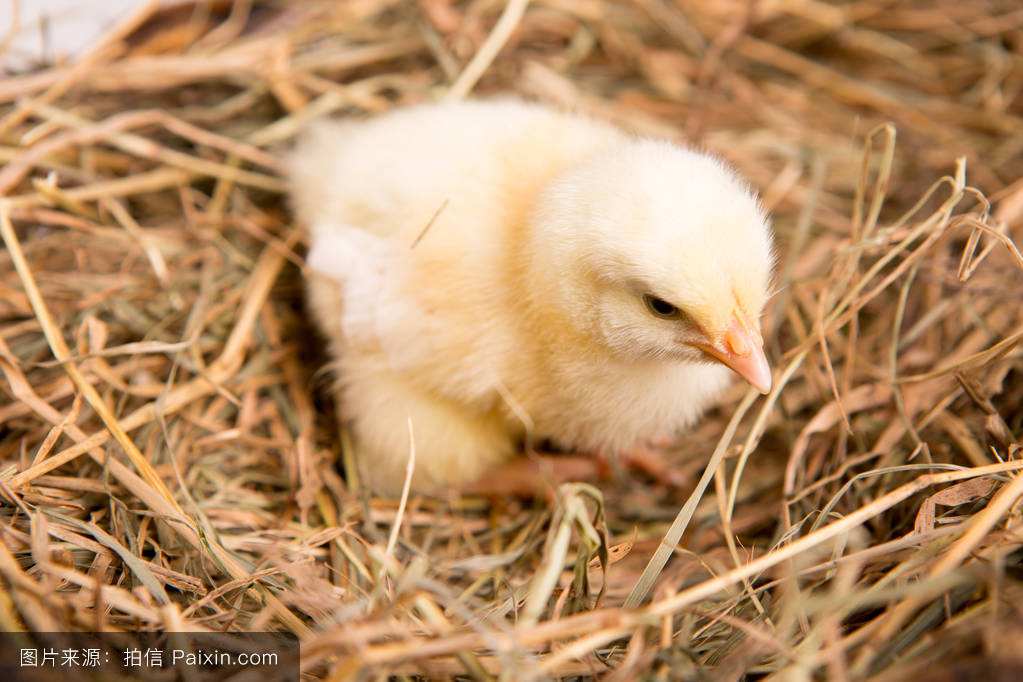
[(496, 269)]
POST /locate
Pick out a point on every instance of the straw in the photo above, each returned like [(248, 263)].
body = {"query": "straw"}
[(171, 453)]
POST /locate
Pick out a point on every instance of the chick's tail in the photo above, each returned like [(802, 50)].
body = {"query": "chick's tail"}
[(313, 174)]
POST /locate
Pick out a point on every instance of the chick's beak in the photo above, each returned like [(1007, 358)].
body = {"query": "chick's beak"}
[(742, 350)]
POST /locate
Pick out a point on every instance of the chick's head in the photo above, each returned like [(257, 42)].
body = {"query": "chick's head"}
[(658, 252)]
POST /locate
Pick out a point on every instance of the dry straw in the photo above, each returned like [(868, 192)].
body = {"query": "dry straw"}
[(169, 462)]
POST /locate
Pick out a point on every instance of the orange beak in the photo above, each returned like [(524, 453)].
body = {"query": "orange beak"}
[(741, 349)]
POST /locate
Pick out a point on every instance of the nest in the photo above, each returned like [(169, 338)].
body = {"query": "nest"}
[(168, 458)]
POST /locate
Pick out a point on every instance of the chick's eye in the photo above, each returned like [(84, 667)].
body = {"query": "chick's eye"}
[(660, 307)]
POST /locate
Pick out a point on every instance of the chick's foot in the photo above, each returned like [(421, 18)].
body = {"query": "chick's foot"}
[(536, 476), (540, 475), (650, 461)]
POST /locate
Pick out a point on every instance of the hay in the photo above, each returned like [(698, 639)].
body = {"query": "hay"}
[(165, 463)]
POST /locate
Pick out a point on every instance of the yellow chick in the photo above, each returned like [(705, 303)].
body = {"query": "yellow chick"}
[(492, 269)]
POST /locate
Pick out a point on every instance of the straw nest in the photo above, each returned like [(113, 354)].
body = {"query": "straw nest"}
[(167, 455)]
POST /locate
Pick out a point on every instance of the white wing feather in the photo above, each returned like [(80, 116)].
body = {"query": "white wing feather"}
[(379, 312)]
